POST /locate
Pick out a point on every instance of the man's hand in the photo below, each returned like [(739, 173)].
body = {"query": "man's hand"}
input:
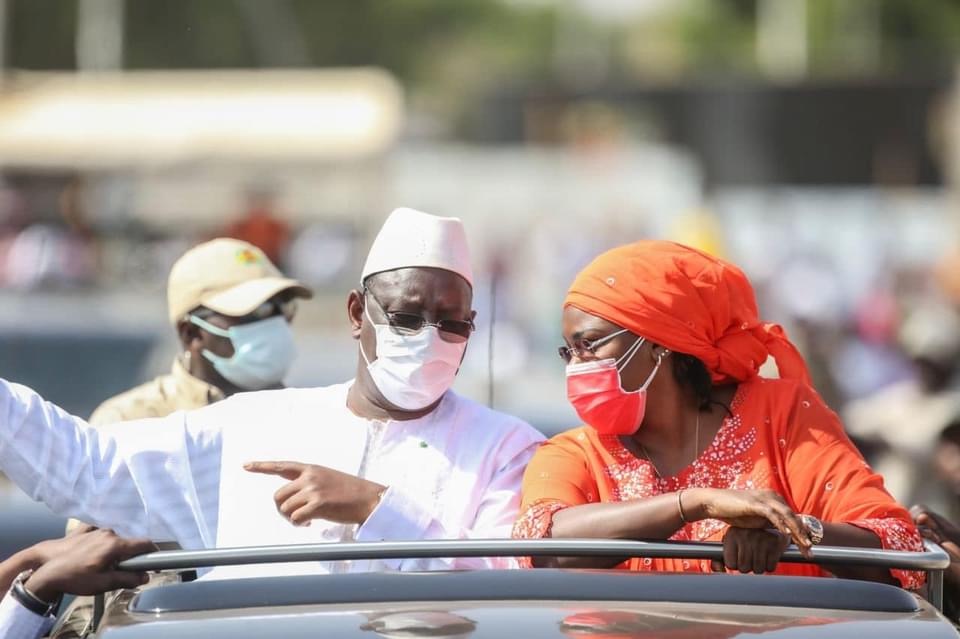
[(86, 565), (318, 492), (940, 531), (40, 553), (753, 549)]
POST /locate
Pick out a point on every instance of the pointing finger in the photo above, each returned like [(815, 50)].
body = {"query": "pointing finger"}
[(286, 469)]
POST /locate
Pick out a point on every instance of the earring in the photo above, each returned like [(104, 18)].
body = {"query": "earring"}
[(186, 360)]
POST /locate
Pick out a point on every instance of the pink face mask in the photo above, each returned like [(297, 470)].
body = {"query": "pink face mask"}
[(594, 390)]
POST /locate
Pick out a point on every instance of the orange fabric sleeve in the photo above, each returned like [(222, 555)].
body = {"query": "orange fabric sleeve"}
[(557, 477), (558, 471), (829, 479)]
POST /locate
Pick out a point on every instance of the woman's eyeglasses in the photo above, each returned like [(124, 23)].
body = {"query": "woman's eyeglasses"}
[(581, 346), (410, 323)]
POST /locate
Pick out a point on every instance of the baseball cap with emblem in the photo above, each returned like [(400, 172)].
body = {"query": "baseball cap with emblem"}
[(230, 277)]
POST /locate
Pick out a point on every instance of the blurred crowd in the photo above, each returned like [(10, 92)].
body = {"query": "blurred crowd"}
[(884, 356)]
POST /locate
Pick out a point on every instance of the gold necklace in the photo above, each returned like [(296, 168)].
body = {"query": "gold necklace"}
[(696, 450)]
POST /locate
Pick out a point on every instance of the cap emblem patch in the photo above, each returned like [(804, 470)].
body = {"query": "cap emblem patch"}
[(247, 257)]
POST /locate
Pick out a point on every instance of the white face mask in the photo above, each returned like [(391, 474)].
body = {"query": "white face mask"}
[(262, 352), (413, 371)]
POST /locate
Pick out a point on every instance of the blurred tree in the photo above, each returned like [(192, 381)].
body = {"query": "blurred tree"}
[(41, 34), (404, 36), (447, 51), (845, 38)]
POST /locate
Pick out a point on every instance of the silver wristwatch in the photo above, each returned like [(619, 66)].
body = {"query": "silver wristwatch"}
[(814, 527)]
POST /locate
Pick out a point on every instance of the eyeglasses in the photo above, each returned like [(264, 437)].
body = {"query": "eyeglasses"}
[(411, 323), (582, 346), (270, 308)]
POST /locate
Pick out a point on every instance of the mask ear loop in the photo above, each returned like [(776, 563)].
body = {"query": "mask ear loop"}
[(625, 358), (366, 311), (655, 369), (208, 327), (633, 350)]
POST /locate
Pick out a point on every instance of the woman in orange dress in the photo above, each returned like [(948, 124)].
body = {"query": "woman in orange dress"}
[(683, 439)]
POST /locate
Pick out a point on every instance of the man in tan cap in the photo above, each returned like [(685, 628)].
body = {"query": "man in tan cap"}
[(231, 308), (393, 454)]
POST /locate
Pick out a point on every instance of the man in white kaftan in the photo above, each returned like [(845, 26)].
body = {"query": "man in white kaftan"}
[(392, 455)]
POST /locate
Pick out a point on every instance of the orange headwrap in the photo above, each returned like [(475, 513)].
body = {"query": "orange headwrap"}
[(688, 302)]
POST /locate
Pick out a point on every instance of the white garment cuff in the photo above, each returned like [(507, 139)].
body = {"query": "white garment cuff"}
[(398, 517), (16, 622)]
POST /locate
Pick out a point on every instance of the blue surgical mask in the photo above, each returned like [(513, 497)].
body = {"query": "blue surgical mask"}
[(262, 352)]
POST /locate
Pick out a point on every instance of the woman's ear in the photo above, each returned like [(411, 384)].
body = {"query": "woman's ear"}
[(658, 353)]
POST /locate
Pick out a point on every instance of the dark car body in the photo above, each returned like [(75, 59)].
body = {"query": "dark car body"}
[(521, 603), (525, 603)]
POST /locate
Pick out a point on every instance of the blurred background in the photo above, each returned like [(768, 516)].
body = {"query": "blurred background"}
[(814, 142)]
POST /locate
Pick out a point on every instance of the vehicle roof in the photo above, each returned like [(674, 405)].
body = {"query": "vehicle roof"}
[(541, 603), (524, 585)]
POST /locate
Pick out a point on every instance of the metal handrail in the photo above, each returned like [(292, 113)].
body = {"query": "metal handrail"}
[(933, 558)]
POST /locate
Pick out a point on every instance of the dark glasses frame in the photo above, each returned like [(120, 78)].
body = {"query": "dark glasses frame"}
[(404, 323)]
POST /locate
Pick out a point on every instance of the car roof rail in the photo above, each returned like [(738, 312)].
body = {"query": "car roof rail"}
[(932, 559)]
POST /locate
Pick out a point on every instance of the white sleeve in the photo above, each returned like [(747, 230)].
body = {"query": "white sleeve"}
[(16, 622), (399, 517), (152, 478)]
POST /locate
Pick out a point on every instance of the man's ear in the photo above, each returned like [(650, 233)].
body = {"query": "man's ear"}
[(355, 312), (189, 333)]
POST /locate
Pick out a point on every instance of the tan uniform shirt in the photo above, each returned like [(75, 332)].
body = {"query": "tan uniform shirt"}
[(158, 398)]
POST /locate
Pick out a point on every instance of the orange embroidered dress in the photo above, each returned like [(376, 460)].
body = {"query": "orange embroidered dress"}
[(780, 437)]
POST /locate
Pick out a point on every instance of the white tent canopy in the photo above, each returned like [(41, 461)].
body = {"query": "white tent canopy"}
[(115, 120)]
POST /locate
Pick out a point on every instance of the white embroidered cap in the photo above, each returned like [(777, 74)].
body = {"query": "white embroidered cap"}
[(412, 238)]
